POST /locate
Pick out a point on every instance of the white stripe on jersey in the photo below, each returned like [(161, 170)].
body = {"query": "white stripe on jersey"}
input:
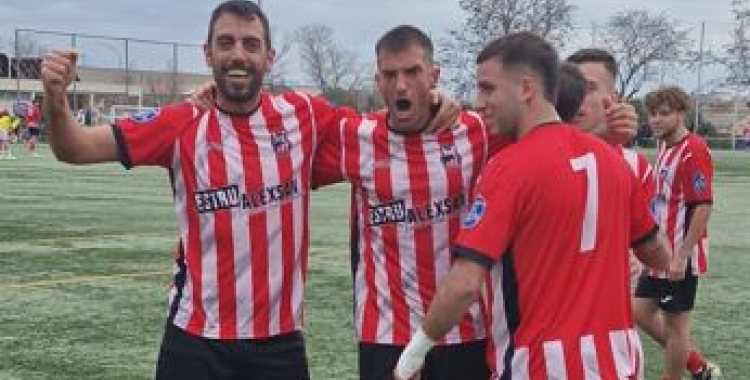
[(554, 360), (631, 157), (622, 353), (185, 303), (589, 358), (636, 352), (209, 267), (520, 364), (384, 329), (296, 154), (400, 175), (270, 172), (240, 236)]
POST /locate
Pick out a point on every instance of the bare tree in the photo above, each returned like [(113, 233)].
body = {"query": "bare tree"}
[(491, 19), (642, 42), (278, 74), (331, 67), (738, 50)]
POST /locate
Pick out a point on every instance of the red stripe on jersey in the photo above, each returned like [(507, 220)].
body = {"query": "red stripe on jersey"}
[(370, 314), (423, 254), (224, 247), (285, 169), (383, 177), (194, 251), (411, 192), (241, 198)]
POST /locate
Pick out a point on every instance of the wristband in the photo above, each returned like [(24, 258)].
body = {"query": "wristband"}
[(412, 358)]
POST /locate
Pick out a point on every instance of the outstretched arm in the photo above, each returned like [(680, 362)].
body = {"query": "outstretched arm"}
[(455, 294), (71, 142)]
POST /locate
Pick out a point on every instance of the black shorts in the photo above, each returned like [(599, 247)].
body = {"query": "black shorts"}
[(186, 356), (466, 361), (34, 132), (671, 296)]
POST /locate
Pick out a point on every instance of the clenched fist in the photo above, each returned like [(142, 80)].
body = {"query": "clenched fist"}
[(58, 71)]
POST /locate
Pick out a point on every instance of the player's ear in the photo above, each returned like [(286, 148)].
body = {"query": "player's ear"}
[(207, 54), (271, 57), (435, 76), (528, 86)]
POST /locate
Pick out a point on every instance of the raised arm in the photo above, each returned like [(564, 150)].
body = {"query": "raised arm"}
[(70, 141)]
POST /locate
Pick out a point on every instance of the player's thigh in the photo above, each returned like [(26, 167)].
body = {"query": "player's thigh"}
[(465, 361), (377, 361), (680, 296)]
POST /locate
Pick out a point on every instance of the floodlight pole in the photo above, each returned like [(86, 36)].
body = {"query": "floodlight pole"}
[(700, 85)]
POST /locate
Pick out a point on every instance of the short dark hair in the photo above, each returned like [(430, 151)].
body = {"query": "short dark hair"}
[(528, 50), (243, 9), (571, 91), (402, 37), (595, 56), (672, 96)]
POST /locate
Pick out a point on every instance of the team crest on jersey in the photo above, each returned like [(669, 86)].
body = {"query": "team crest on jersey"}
[(280, 142), (449, 156), (145, 116), (663, 173), (476, 213), (699, 183)]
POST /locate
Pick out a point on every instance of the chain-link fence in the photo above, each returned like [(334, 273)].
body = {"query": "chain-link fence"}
[(115, 75)]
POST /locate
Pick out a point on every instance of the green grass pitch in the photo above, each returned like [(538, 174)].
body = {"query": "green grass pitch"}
[(85, 262)]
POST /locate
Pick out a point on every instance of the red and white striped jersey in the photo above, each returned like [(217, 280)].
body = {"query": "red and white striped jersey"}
[(410, 193), (642, 170), (241, 194), (552, 219), (684, 179)]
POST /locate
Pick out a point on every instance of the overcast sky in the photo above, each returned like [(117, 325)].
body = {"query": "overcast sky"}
[(356, 23)]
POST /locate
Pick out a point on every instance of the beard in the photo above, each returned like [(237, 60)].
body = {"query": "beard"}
[(237, 92)]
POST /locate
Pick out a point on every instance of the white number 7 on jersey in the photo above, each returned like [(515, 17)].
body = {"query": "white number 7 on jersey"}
[(587, 162)]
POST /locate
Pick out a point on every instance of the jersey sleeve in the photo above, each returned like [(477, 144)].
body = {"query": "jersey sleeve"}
[(148, 138), (642, 224), (697, 175), (491, 223), (328, 163), (328, 116)]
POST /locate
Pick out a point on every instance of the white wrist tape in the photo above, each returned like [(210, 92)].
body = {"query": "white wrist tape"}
[(412, 359)]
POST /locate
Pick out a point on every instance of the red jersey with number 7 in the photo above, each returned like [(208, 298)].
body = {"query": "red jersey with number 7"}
[(552, 219)]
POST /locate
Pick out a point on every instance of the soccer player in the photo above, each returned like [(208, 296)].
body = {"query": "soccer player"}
[(240, 173), (8, 123), (410, 188), (599, 69), (664, 299), (571, 91), (33, 126), (552, 219)]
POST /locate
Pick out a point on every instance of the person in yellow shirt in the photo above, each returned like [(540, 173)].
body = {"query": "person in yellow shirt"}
[(8, 124)]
